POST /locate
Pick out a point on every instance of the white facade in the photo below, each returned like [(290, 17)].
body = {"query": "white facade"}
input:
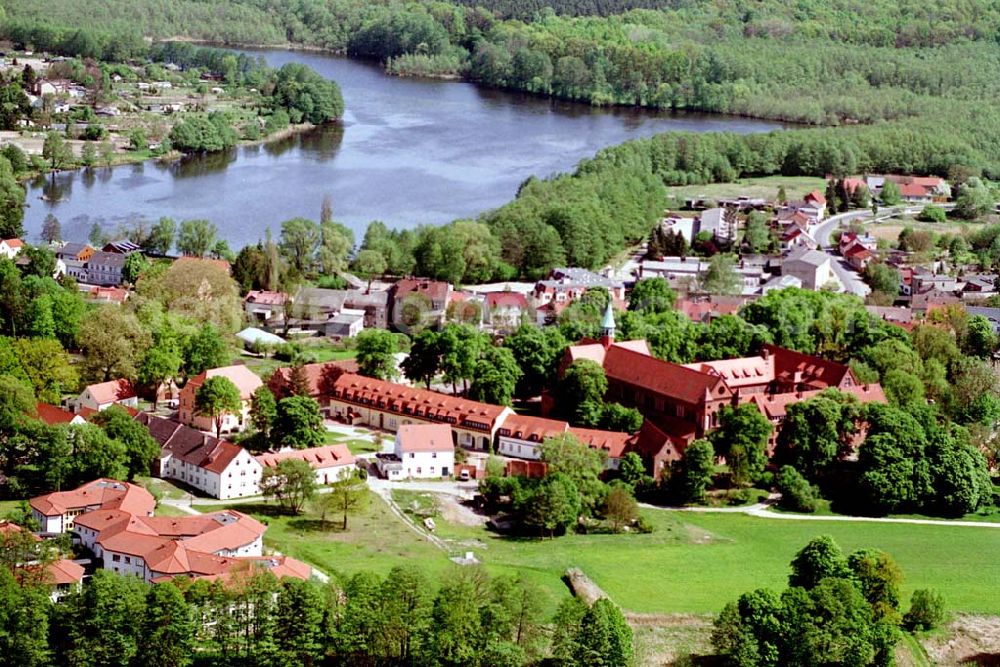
[(88, 400), (239, 479), (9, 249), (417, 464), (520, 449)]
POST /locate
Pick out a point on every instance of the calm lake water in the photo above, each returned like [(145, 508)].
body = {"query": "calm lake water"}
[(407, 152)]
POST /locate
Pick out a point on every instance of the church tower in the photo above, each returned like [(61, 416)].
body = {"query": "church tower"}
[(608, 326)]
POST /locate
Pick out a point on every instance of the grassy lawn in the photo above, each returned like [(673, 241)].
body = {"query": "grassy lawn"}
[(162, 488), (691, 563), (375, 539), (8, 506), (170, 510), (795, 188)]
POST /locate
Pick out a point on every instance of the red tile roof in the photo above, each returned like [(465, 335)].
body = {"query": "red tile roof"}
[(266, 298), (532, 429), (13, 243), (663, 377), (433, 289), (112, 391), (425, 438), (52, 415), (816, 196), (105, 493), (612, 442), (506, 300), (245, 380), (815, 371), (775, 406), (418, 403), (317, 457), (65, 572)]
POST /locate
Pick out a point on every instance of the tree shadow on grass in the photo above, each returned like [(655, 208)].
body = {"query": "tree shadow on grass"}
[(263, 508)]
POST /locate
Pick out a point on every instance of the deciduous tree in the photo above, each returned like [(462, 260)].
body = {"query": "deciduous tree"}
[(215, 398)]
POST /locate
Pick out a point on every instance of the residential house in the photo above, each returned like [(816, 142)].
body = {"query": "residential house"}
[(105, 268), (858, 257), (314, 307), (63, 576), (57, 512), (264, 307), (217, 468), (122, 247), (420, 451), (812, 267), (388, 406), (348, 323), (913, 189), (721, 223), (417, 303), (504, 311), (75, 257), (704, 309), (246, 382), (521, 436), (900, 316), (849, 239), (779, 283), (330, 462), (53, 415), (103, 395), (9, 248)]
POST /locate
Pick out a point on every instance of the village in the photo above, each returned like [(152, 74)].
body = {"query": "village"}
[(399, 432)]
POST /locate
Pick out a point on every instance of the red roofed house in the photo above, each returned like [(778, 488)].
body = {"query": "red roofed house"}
[(9, 248), (419, 302), (357, 399), (216, 467), (858, 256), (246, 382), (331, 462), (420, 451), (503, 310), (521, 436), (63, 575), (52, 415), (56, 512), (265, 307), (105, 394)]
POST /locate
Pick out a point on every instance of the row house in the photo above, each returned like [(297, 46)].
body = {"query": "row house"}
[(331, 463), (388, 406), (521, 436), (215, 467)]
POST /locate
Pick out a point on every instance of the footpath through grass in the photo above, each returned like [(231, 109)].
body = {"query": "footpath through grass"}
[(691, 563)]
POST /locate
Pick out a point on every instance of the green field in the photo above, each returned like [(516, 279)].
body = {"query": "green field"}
[(691, 563), (767, 187)]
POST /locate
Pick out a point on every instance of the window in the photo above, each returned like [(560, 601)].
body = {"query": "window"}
[(418, 471), (128, 559), (116, 558), (434, 455), (412, 455)]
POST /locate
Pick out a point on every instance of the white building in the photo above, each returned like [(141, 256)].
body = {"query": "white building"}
[(103, 395), (57, 512), (812, 267), (9, 248), (215, 467), (420, 451)]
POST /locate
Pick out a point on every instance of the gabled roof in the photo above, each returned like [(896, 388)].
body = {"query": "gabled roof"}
[(815, 371), (189, 444), (327, 456), (506, 300), (52, 415), (265, 297), (425, 438), (532, 429), (816, 196), (111, 391), (433, 289), (418, 403), (320, 377), (245, 379), (663, 377), (613, 442), (65, 572), (775, 406)]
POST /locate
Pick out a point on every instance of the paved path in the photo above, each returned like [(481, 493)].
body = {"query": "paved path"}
[(764, 511)]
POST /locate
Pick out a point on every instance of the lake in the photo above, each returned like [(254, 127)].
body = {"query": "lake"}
[(408, 152)]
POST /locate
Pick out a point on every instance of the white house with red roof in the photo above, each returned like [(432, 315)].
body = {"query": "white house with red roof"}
[(521, 436), (420, 451), (215, 467), (246, 382), (56, 512), (265, 307), (331, 462), (503, 311), (103, 395), (10, 248), (53, 415)]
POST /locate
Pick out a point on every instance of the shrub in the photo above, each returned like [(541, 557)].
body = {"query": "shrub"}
[(796, 493), (932, 214), (926, 610)]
